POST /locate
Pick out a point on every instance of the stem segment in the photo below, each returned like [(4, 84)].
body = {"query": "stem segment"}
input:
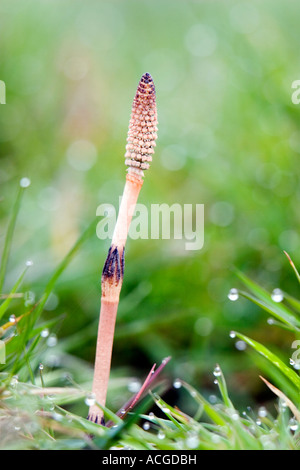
[(111, 283)]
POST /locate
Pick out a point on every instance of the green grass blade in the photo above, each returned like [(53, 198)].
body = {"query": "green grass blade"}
[(273, 358), (222, 386), (264, 300), (4, 306), (211, 412), (9, 235)]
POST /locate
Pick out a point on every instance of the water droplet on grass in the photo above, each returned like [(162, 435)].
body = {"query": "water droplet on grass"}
[(217, 371), (45, 333), (177, 383), (90, 399), (233, 294), (52, 341), (240, 345), (57, 416), (293, 424), (146, 426), (134, 385), (161, 434), (192, 442), (25, 182), (12, 319), (262, 412), (277, 295), (232, 334), (14, 381), (29, 263), (166, 410), (212, 399)]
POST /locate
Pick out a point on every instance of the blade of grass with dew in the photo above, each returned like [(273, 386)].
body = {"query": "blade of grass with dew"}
[(10, 232), (273, 358), (223, 387), (114, 433), (283, 322), (4, 306), (211, 412), (264, 300), (271, 371), (174, 415), (241, 435)]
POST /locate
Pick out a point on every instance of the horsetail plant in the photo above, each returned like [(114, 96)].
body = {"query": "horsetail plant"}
[(139, 149)]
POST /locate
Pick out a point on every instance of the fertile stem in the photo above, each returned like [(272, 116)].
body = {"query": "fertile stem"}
[(139, 150)]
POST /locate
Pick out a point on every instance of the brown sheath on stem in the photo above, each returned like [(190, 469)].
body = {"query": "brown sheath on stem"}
[(139, 149)]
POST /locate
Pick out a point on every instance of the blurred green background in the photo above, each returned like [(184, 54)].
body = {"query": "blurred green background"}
[(228, 138)]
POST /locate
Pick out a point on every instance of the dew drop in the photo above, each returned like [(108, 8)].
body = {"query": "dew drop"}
[(161, 434), (90, 399), (258, 422), (240, 345), (29, 263), (146, 426), (41, 367), (217, 371), (233, 294), (57, 416), (25, 182), (14, 381), (177, 383), (12, 319), (192, 442), (52, 341), (262, 412), (212, 399), (45, 333), (293, 424), (134, 385), (234, 415), (283, 404), (277, 295), (216, 439), (166, 410), (232, 334)]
